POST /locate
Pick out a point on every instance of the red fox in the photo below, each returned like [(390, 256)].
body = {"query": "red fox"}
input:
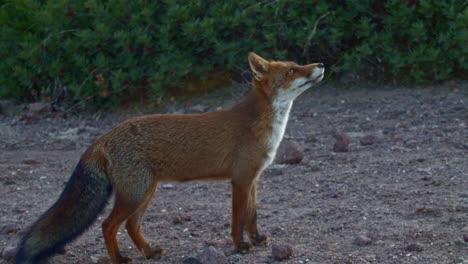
[(135, 156)]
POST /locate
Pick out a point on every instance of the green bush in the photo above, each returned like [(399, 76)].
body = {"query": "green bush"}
[(103, 50)]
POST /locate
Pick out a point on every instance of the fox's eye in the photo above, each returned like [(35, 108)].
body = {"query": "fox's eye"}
[(291, 71)]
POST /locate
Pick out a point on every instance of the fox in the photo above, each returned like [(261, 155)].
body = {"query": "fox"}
[(135, 156)]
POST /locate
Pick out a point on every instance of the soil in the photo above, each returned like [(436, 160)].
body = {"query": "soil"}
[(399, 196)]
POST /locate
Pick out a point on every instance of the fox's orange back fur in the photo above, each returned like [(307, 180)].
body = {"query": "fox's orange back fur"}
[(223, 141), (236, 144)]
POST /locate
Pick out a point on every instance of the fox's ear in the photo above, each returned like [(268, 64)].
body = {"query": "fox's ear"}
[(258, 65)]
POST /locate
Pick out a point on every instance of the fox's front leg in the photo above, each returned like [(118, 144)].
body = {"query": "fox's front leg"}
[(251, 224), (241, 212)]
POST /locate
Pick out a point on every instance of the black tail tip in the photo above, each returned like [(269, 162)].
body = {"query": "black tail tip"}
[(22, 258)]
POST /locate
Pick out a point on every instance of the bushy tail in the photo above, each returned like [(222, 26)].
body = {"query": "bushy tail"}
[(83, 198)]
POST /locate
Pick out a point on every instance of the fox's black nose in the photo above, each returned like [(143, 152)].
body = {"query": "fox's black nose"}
[(320, 66)]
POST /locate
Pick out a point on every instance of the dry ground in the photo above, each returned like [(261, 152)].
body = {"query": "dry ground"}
[(407, 192)]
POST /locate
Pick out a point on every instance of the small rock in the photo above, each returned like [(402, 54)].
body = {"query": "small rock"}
[(459, 243), (465, 238), (57, 115), (39, 108), (313, 167), (168, 186), (191, 260), (198, 108), (194, 234), (453, 85), (102, 260), (35, 111), (333, 193), (180, 218), (20, 210), (367, 140), (31, 162), (9, 253), (275, 171), (218, 243), (27, 117), (278, 231), (94, 259), (9, 182), (8, 229), (362, 240), (341, 143), (414, 247), (311, 139), (289, 152), (281, 251), (177, 220), (411, 143), (81, 130), (212, 256)]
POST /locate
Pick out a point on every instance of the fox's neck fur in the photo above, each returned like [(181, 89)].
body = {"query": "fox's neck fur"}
[(270, 117), (280, 111)]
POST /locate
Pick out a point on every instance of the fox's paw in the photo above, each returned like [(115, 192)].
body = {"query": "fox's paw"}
[(244, 247), (118, 259), (260, 240), (154, 251), (124, 260)]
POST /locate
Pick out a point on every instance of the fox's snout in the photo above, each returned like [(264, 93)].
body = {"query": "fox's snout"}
[(317, 71), (316, 74)]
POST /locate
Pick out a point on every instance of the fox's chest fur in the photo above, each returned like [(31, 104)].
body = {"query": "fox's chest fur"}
[(280, 116)]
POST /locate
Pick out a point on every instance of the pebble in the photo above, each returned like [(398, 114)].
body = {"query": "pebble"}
[(103, 260), (94, 259), (414, 247), (289, 152), (362, 240), (168, 186), (180, 219), (341, 143), (9, 229), (367, 140), (212, 256), (36, 110), (465, 238), (9, 253), (39, 108), (281, 251), (218, 243)]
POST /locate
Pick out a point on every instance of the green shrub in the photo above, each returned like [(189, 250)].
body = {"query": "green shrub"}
[(103, 50)]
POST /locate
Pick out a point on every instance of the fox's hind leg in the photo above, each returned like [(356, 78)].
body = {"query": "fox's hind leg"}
[(134, 229), (123, 208), (129, 197)]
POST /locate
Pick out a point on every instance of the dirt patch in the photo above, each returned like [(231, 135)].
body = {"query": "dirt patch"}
[(399, 197)]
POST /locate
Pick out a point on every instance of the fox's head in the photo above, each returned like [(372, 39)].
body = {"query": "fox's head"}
[(283, 81)]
